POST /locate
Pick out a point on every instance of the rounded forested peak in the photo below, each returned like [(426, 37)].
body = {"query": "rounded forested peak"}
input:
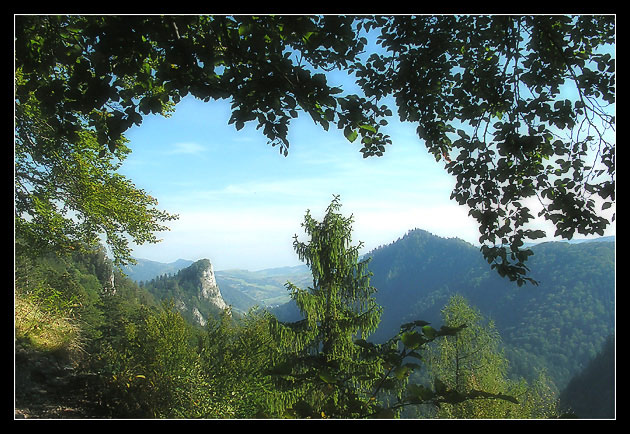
[(196, 269), (420, 233), (202, 263)]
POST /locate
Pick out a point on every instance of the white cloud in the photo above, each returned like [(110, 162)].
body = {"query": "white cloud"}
[(381, 225), (256, 234), (253, 238), (186, 148)]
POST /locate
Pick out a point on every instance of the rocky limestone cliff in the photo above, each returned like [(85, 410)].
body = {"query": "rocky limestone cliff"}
[(193, 289), (209, 289)]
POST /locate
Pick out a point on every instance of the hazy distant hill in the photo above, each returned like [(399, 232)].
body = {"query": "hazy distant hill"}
[(242, 289), (264, 287), (146, 270)]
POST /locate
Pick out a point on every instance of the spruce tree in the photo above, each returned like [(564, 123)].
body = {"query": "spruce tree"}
[(320, 372)]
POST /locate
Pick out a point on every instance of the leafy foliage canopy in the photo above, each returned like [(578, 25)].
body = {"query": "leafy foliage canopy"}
[(520, 108)]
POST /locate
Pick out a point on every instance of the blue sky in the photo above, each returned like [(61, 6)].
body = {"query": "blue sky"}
[(240, 202)]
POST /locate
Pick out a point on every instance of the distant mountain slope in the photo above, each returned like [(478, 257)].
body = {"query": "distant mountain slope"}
[(265, 287), (421, 268), (146, 270), (591, 393), (242, 289), (558, 325)]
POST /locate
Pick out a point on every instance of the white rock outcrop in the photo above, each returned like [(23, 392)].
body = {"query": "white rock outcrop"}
[(209, 289), (199, 317)]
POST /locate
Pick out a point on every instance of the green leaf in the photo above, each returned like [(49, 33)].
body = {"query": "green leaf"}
[(244, 29), (409, 325), (420, 323), (463, 135), (450, 331), (281, 369), (412, 339), (535, 234), (429, 332), (364, 344), (303, 409), (440, 387), (326, 376), (481, 394), (419, 392), (415, 355), (454, 397), (368, 127), (351, 135), (401, 372)]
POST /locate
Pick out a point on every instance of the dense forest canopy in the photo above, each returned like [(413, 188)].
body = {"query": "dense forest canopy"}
[(518, 107), (557, 326)]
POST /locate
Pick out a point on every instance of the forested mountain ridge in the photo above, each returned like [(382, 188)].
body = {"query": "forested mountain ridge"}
[(415, 275), (558, 325), (591, 392)]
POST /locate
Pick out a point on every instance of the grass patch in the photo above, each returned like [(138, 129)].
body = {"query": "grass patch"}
[(44, 329)]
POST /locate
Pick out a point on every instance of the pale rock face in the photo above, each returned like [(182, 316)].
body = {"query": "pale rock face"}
[(180, 305), (209, 288), (200, 319)]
